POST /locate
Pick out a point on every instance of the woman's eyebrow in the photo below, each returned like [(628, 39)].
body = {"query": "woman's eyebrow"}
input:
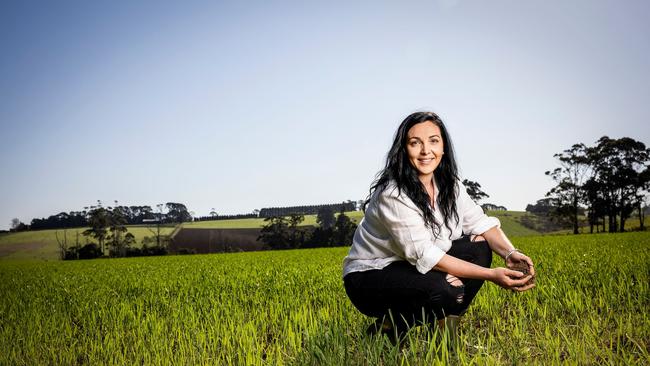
[(417, 138)]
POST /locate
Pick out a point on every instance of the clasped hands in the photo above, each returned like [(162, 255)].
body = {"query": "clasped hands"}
[(513, 279)]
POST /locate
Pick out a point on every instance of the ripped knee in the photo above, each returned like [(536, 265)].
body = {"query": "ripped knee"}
[(454, 281), (477, 238), (458, 288)]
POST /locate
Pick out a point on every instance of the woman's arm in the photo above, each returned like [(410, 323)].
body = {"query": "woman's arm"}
[(504, 277), (500, 244)]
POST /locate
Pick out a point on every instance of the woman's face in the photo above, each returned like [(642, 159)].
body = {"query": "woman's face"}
[(424, 146)]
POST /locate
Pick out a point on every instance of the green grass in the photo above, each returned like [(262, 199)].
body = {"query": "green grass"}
[(590, 306)]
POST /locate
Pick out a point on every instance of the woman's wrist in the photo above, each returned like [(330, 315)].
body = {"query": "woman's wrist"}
[(490, 274), (510, 253)]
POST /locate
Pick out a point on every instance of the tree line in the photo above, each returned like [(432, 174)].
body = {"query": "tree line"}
[(285, 232), (306, 210), (107, 227), (170, 212), (606, 182)]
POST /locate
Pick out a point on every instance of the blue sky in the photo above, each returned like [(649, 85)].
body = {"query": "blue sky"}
[(244, 105)]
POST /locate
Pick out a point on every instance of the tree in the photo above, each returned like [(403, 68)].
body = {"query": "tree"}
[(63, 243), (99, 221), (344, 230), (541, 207), (119, 239), (275, 233), (282, 232), (643, 186), (325, 217), (619, 166), (15, 223), (596, 203), (474, 190), (296, 235), (570, 176), (159, 216), (177, 212)]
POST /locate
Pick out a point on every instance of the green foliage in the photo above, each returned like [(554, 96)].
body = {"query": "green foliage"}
[(282, 232), (325, 217), (289, 307), (474, 190)]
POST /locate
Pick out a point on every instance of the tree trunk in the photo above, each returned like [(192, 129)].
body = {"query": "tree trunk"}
[(641, 218), (612, 223), (622, 224), (575, 215)]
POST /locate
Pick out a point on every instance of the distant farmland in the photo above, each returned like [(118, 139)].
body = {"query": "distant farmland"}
[(42, 244)]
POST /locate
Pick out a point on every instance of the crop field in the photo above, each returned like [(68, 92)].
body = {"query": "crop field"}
[(590, 306)]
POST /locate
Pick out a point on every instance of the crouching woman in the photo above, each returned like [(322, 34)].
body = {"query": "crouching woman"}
[(424, 248)]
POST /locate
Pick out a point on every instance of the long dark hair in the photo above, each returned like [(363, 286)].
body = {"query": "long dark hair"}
[(398, 168)]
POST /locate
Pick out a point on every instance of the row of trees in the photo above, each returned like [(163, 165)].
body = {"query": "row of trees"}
[(607, 182), (214, 216), (107, 226), (306, 210), (170, 212), (285, 232)]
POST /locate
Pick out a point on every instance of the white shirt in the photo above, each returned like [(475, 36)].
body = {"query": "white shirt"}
[(393, 229)]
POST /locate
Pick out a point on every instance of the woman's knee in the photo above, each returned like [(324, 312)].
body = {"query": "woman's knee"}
[(477, 238)]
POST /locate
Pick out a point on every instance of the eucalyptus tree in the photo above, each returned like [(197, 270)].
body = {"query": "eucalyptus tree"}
[(619, 167), (474, 190), (574, 170)]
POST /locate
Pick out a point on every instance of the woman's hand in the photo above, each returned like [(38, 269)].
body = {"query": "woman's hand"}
[(517, 259), (511, 279)]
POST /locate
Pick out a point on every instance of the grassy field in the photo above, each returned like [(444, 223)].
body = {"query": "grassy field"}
[(42, 244), (590, 306)]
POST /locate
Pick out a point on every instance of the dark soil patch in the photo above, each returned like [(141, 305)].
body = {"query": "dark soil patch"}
[(216, 240)]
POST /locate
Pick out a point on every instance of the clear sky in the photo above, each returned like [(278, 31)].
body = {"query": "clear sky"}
[(243, 105)]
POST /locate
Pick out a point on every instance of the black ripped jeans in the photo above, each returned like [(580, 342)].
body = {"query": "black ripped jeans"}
[(412, 297)]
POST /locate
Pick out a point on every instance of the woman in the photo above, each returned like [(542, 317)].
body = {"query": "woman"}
[(424, 248)]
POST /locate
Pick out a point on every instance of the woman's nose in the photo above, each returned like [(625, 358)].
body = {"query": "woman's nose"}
[(425, 149)]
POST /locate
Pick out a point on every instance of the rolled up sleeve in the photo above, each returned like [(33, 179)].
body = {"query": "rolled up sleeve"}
[(474, 220), (407, 229)]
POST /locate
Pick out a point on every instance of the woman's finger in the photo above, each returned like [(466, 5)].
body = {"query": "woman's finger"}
[(531, 268), (512, 273), (524, 288), (520, 282)]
